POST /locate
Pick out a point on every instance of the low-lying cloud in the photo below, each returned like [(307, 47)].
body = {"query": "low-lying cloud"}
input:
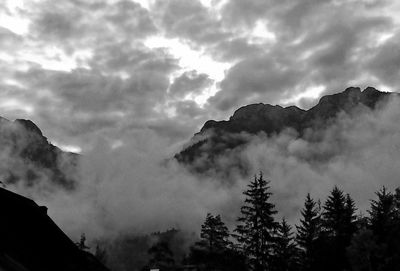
[(136, 188)]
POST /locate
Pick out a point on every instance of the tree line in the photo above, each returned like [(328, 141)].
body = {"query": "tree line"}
[(330, 236)]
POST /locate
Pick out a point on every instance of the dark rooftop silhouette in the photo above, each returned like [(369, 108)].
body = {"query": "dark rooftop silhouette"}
[(31, 241)]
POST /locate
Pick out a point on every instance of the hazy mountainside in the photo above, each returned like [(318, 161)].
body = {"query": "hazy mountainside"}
[(222, 138), (28, 157)]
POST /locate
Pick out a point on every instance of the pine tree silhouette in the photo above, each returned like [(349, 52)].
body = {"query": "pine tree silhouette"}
[(257, 225), (214, 234), (338, 224), (214, 251), (382, 213), (285, 251), (308, 232)]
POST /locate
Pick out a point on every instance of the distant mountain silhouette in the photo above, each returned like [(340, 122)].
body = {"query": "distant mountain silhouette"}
[(216, 138), (31, 241), (27, 156)]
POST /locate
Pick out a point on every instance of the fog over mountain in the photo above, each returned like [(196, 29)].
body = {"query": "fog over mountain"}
[(137, 189), (220, 138), (29, 159)]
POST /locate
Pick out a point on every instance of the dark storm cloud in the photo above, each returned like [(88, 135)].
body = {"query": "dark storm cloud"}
[(385, 62), (73, 21), (132, 18), (318, 43), (236, 49), (120, 82), (189, 109), (200, 26), (189, 82), (190, 20), (55, 26), (289, 19), (255, 77), (88, 100)]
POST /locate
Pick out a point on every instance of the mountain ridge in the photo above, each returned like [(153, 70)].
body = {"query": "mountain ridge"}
[(328, 105), (215, 137)]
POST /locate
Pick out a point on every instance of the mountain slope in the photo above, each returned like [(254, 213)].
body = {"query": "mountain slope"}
[(27, 156), (218, 138)]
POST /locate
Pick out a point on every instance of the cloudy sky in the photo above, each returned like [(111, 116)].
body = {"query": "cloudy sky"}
[(86, 69)]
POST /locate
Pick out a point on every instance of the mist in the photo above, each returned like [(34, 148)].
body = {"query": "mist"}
[(136, 188)]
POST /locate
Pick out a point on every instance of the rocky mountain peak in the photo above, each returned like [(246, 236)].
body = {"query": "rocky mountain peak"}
[(273, 119)]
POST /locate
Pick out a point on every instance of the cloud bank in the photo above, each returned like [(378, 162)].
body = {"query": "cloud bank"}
[(136, 189)]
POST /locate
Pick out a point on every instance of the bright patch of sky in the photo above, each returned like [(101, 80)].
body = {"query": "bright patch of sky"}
[(383, 37), (68, 148), (214, 4), (311, 93), (17, 25), (190, 59), (261, 33), (14, 104), (145, 3), (52, 59), (10, 18)]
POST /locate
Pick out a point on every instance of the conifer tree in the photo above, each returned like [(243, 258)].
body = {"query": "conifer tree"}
[(285, 250), (334, 213), (214, 250), (308, 232), (339, 225), (350, 219), (385, 226), (376, 247), (382, 213), (214, 234), (257, 225)]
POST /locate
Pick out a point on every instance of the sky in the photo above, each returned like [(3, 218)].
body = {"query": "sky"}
[(88, 70)]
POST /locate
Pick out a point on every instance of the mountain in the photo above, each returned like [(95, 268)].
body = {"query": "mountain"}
[(219, 138), (28, 157)]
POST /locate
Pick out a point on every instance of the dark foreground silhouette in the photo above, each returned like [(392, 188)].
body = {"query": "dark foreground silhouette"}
[(31, 241)]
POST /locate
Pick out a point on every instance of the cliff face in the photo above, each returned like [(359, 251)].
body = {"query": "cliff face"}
[(28, 157), (220, 137)]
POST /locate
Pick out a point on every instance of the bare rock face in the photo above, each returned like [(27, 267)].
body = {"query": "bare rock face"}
[(220, 137)]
